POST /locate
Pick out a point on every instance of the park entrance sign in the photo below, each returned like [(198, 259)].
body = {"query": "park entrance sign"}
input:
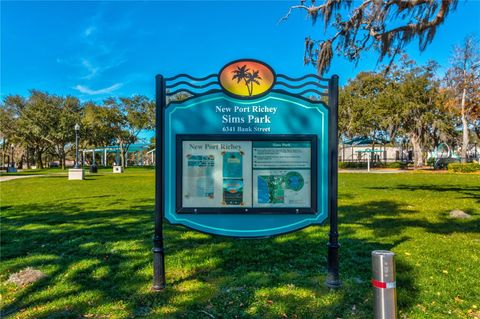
[(246, 153)]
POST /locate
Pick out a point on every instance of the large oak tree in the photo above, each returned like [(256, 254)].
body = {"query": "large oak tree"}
[(463, 83)]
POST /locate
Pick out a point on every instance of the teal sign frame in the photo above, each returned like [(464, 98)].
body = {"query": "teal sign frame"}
[(199, 116), (213, 107)]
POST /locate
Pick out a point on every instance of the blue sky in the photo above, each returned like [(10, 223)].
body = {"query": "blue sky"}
[(98, 49)]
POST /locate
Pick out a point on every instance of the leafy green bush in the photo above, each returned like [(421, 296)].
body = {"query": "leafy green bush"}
[(431, 161), (396, 165), (464, 167), (344, 165), (363, 165)]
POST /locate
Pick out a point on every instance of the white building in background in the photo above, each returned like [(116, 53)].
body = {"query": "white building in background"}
[(354, 151)]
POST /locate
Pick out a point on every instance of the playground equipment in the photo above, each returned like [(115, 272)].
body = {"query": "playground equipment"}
[(443, 155)]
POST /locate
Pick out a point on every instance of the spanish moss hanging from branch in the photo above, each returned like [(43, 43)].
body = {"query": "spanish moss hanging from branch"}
[(385, 26)]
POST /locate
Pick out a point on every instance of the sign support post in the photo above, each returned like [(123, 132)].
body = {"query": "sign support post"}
[(158, 252), (333, 279)]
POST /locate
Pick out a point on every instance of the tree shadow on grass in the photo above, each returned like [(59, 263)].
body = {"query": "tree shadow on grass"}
[(94, 258), (78, 243), (386, 217), (468, 192), (107, 254)]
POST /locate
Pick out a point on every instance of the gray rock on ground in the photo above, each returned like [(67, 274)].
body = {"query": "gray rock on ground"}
[(459, 214)]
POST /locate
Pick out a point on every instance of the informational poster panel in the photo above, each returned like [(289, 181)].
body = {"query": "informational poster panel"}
[(282, 174), (216, 173), (248, 174)]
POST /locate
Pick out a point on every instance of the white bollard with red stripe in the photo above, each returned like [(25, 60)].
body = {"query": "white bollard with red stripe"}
[(383, 281)]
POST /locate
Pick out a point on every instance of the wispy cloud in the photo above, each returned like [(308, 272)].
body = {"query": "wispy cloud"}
[(91, 67), (89, 30), (97, 54), (89, 91), (97, 50), (92, 70)]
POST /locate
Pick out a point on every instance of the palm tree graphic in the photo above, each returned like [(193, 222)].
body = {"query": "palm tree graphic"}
[(250, 77)]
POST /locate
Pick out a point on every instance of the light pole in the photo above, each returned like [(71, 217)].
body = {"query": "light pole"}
[(77, 128), (77, 172), (13, 161)]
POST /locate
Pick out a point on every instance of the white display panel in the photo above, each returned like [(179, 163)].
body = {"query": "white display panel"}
[(216, 174)]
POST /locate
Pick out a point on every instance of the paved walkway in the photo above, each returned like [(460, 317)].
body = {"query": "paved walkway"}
[(9, 178)]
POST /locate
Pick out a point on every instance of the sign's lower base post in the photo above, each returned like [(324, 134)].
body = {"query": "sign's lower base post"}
[(158, 265), (333, 277)]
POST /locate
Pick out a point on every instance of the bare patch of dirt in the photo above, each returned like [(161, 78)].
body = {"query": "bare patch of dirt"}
[(26, 276)]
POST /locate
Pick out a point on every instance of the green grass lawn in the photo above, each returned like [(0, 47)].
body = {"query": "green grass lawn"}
[(59, 171), (92, 239)]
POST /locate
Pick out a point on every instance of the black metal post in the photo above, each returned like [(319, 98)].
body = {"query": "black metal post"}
[(158, 253), (333, 278), (13, 158)]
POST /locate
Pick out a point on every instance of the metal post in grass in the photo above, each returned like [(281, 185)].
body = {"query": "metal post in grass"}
[(158, 253), (384, 283), (13, 155), (333, 277), (76, 173)]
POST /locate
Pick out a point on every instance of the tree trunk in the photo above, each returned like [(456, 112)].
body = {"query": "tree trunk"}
[(122, 155), (3, 153), (38, 160), (62, 158), (22, 159), (417, 151), (464, 128), (372, 153), (29, 158)]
